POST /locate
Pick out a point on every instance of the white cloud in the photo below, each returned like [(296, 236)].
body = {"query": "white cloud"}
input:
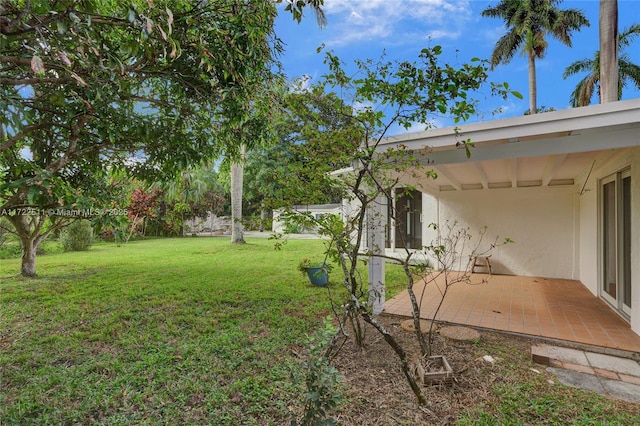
[(394, 21), (438, 34), (434, 123), (504, 110), (492, 35), (362, 106), (418, 127), (300, 85)]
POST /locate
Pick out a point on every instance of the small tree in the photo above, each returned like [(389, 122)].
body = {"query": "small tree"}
[(452, 252), (380, 95), (142, 206)]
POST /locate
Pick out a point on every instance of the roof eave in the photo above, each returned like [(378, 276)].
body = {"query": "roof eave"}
[(531, 127)]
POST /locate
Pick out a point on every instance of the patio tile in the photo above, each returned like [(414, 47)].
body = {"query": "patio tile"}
[(555, 308)]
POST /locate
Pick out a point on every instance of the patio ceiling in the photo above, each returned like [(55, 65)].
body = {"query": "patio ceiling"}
[(545, 170), (550, 149)]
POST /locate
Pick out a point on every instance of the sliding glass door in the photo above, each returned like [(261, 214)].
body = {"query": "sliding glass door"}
[(616, 241)]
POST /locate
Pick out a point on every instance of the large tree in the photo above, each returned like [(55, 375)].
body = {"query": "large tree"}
[(529, 22), (628, 72), (143, 87), (289, 171), (608, 27)]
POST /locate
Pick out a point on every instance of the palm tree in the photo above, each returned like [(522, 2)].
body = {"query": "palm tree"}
[(191, 188), (608, 27), (627, 71), (237, 174), (238, 158), (254, 132), (528, 23)]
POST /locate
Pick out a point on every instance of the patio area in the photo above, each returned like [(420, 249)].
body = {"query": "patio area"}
[(550, 308)]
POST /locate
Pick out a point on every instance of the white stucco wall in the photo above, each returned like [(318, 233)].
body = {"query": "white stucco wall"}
[(539, 220), (590, 233), (278, 224), (589, 216)]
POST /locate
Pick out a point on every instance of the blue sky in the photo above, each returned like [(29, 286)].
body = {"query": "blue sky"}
[(363, 29)]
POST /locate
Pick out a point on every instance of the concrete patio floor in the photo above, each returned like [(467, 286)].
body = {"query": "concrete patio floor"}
[(554, 309)]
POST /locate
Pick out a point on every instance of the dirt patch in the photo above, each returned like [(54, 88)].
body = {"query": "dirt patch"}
[(376, 391)]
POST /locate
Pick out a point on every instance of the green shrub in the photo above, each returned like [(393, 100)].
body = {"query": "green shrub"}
[(77, 237), (322, 381), (9, 243), (10, 250)]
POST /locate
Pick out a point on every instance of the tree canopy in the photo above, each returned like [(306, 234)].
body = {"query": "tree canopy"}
[(143, 87)]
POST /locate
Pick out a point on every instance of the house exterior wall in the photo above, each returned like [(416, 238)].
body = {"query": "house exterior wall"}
[(590, 230), (556, 229), (539, 220), (278, 224), (589, 239)]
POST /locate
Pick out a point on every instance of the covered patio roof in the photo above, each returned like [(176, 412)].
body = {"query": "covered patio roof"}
[(547, 149)]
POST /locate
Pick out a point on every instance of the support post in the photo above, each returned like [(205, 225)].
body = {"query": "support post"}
[(376, 222)]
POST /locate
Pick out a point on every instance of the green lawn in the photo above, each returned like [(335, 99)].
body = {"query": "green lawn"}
[(172, 331), (157, 331)]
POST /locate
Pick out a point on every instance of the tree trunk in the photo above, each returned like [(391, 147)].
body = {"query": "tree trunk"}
[(263, 216), (608, 51), (400, 353), (237, 170), (29, 240), (533, 87), (28, 266)]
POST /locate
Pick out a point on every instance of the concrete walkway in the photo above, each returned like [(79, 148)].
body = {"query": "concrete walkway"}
[(605, 374), (264, 234)]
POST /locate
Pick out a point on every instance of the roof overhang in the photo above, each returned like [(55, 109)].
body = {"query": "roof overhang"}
[(547, 149)]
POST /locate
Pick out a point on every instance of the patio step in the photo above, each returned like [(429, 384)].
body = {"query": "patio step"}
[(606, 374)]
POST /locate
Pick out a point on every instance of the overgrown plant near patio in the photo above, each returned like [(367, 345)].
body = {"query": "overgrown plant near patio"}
[(321, 379), (453, 252), (376, 97)]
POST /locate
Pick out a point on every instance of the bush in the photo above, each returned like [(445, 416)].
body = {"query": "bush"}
[(322, 380), (10, 250), (77, 237)]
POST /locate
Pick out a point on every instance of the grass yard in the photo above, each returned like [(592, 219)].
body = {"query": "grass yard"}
[(160, 331), (199, 331)]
